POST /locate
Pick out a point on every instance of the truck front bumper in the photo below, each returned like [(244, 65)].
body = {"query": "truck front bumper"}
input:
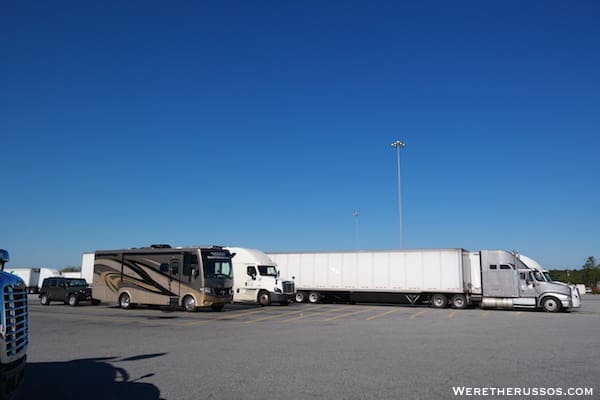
[(12, 377), (281, 297)]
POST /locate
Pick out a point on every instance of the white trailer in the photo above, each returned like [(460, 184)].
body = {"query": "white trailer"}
[(46, 273), (31, 277), (256, 279), (439, 277)]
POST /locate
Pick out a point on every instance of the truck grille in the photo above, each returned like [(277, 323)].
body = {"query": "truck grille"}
[(288, 287), (15, 323)]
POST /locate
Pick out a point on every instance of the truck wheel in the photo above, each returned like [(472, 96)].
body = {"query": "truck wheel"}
[(550, 304), (44, 300), (73, 300), (300, 297), (314, 298), (125, 301), (189, 304), (439, 301), (458, 301), (264, 299)]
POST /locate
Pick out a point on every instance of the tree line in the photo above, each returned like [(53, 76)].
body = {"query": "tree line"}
[(589, 274)]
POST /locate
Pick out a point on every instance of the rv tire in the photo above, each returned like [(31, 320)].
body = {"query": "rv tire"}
[(189, 304), (125, 301)]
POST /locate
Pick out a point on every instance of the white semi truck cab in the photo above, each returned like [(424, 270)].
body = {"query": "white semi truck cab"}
[(14, 332), (256, 279)]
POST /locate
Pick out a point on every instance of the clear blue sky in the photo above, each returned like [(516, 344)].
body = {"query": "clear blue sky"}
[(266, 124)]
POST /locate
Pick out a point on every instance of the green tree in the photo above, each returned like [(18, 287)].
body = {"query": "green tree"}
[(590, 263), (70, 269)]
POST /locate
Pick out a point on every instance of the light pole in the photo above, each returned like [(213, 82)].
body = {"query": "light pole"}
[(399, 145), (356, 214)]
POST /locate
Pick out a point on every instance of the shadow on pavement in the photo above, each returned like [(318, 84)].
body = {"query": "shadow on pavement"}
[(90, 379)]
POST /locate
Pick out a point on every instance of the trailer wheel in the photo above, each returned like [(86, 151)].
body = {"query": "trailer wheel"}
[(314, 297), (44, 300), (189, 304), (264, 299), (458, 301), (125, 301), (73, 301), (550, 304), (300, 297), (439, 301)]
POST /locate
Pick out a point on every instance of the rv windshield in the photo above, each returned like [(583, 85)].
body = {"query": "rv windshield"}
[(267, 270), (218, 269)]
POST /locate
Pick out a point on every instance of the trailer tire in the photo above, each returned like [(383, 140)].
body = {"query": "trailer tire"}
[(264, 299), (551, 304), (189, 304), (458, 301), (314, 297), (439, 301), (44, 300), (300, 297), (125, 301)]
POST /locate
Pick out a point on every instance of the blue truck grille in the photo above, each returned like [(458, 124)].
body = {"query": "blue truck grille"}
[(14, 320)]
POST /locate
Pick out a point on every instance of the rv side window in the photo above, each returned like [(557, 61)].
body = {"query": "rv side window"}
[(504, 266), (492, 266), (174, 267)]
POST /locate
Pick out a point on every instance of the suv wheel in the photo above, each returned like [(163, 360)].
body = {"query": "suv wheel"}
[(73, 300), (44, 300)]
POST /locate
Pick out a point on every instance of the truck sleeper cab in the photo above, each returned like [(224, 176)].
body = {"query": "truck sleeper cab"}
[(187, 277)]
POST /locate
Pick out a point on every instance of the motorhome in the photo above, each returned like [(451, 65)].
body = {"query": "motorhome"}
[(189, 277)]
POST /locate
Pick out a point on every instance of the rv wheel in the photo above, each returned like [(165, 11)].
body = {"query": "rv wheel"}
[(125, 301), (189, 304)]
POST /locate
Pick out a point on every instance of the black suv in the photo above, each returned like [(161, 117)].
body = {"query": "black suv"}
[(69, 290)]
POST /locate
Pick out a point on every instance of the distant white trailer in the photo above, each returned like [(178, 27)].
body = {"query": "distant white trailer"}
[(74, 274), (46, 273), (31, 277), (438, 277)]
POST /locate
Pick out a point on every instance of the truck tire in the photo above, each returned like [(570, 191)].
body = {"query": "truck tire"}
[(125, 301), (73, 301), (551, 304), (264, 299), (439, 301), (189, 304), (44, 300), (300, 297), (458, 301), (314, 297)]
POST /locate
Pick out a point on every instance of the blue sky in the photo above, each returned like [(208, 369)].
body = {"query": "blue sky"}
[(266, 124)]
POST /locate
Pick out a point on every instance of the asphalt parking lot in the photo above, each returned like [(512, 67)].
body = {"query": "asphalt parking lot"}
[(329, 351)]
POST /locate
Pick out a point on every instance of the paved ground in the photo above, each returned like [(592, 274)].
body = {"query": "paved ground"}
[(307, 351)]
